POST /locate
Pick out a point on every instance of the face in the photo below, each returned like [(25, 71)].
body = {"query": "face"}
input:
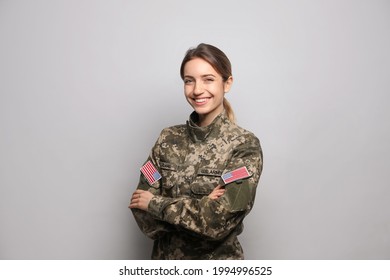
[(205, 89)]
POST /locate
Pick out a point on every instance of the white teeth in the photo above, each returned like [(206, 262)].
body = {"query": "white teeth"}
[(200, 100)]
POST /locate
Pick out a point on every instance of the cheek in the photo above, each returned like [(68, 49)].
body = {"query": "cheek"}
[(219, 91), (186, 94), (187, 90)]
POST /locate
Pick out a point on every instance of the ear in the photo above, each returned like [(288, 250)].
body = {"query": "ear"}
[(228, 84)]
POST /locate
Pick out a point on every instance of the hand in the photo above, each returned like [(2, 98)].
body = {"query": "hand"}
[(140, 199), (217, 192)]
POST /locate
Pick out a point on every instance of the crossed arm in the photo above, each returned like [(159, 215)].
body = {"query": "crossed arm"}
[(140, 198)]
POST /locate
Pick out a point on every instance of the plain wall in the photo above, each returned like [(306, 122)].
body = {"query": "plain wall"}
[(86, 87)]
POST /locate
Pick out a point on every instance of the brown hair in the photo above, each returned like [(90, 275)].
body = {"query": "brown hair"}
[(218, 60)]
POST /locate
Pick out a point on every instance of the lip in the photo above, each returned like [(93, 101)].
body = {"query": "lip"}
[(201, 101)]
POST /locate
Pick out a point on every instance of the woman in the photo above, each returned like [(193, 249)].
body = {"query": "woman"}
[(200, 179)]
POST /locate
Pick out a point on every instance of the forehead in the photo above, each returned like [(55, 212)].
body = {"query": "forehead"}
[(199, 66)]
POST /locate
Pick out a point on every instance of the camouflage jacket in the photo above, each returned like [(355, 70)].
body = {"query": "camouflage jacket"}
[(182, 220)]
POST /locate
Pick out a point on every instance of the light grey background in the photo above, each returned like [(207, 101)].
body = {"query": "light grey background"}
[(86, 87)]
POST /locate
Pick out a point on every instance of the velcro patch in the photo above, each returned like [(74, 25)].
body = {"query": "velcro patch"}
[(237, 174), (150, 172)]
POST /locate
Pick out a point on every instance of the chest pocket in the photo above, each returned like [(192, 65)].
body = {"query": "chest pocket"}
[(206, 180), (169, 178)]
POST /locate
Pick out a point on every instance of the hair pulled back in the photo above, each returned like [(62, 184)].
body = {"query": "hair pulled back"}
[(218, 60)]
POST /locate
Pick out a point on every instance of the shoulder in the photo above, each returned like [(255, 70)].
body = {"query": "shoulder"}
[(175, 129), (172, 132), (248, 145), (237, 133)]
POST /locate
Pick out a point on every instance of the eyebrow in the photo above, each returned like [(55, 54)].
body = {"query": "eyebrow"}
[(203, 76)]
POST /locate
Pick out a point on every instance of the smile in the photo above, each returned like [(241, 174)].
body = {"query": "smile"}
[(201, 101)]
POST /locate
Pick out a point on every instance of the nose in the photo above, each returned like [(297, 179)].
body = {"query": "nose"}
[(198, 89)]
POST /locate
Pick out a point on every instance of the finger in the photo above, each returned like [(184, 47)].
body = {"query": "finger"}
[(136, 196), (139, 191), (135, 199), (134, 205), (131, 204)]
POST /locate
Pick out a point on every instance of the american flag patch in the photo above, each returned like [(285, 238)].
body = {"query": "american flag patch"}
[(150, 172), (235, 175)]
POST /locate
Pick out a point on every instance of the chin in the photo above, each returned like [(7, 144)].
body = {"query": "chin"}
[(201, 111)]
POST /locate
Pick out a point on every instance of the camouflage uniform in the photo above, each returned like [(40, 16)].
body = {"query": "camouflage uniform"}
[(182, 220)]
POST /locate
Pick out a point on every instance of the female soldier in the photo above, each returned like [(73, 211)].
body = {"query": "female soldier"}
[(209, 167)]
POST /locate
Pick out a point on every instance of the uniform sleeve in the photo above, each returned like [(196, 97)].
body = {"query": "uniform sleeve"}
[(215, 219), (149, 225)]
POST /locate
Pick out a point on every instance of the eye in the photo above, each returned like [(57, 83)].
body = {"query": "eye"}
[(187, 81), (208, 79)]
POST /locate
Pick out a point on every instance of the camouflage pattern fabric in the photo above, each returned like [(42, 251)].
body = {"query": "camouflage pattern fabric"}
[(182, 220)]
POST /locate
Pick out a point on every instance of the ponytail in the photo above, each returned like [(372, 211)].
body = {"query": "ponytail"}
[(229, 110)]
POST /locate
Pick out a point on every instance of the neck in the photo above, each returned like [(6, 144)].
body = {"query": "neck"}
[(207, 119), (204, 121)]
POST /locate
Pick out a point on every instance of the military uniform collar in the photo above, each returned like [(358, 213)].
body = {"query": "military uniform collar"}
[(198, 133)]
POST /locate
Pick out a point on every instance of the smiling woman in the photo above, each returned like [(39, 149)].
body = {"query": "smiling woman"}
[(205, 89), (215, 69), (200, 179)]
